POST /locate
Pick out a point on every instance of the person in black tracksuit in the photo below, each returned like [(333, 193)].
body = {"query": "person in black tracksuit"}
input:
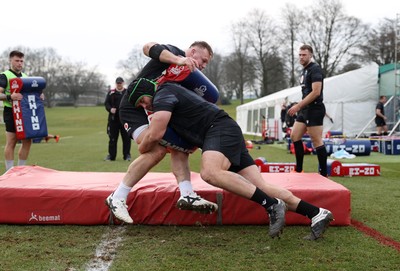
[(114, 125)]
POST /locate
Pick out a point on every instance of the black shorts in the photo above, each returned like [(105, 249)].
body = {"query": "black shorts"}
[(9, 119), (380, 122), (131, 117), (312, 115), (225, 136)]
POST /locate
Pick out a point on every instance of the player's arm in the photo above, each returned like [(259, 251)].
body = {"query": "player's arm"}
[(3, 85), (378, 112), (314, 94), (107, 102), (3, 96), (15, 96), (159, 52), (155, 131)]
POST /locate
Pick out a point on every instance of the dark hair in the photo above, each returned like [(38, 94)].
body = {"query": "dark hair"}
[(203, 44), (307, 47), (16, 53)]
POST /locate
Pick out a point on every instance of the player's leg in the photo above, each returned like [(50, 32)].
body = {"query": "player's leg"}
[(320, 217), (315, 128), (189, 200), (113, 133), (23, 152), (136, 171), (11, 142), (214, 170), (298, 130), (126, 143), (315, 133)]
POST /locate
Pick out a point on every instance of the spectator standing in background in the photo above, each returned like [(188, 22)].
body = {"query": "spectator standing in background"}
[(114, 126), (380, 118)]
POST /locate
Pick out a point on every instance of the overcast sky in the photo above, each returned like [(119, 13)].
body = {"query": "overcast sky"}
[(100, 33)]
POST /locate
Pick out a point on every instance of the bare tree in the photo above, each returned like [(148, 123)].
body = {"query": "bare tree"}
[(213, 71), (46, 63), (239, 76), (380, 46), (78, 81), (262, 38), (333, 35), (238, 66), (292, 18), (134, 63)]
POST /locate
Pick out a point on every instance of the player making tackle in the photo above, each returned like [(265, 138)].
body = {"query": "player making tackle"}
[(226, 162)]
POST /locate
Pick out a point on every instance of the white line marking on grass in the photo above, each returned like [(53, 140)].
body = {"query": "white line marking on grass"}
[(106, 250)]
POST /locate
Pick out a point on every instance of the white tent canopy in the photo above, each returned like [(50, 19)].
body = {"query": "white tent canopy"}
[(350, 99)]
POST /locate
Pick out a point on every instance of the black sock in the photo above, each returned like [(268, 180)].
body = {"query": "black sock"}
[(322, 157), (307, 209), (299, 152), (263, 199)]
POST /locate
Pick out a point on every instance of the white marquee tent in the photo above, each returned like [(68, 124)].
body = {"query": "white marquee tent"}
[(350, 99)]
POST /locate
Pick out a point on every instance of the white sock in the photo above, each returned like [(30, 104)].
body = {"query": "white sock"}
[(122, 191), (21, 162), (186, 188), (9, 164)]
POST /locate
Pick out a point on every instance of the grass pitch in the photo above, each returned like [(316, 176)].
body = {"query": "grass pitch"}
[(83, 146)]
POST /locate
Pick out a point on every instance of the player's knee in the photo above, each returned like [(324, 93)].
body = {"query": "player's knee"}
[(158, 153), (209, 175)]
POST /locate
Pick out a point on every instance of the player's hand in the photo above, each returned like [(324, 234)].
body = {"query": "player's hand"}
[(293, 110), (190, 62), (16, 96)]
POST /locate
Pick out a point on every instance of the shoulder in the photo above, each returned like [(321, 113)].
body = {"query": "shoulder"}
[(314, 67), (167, 92), (173, 49), (315, 71), (6, 73)]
